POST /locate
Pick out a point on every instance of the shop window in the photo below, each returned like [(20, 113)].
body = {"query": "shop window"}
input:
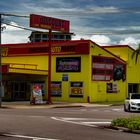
[(76, 89), (45, 36), (56, 89), (68, 37), (133, 88), (37, 35)]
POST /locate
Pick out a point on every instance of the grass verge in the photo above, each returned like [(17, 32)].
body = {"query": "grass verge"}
[(132, 123)]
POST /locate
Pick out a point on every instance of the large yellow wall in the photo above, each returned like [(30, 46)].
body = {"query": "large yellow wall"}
[(121, 52), (42, 64), (82, 76), (98, 88), (132, 68)]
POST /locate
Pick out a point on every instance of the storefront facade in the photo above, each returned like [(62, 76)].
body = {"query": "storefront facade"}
[(81, 71), (132, 70)]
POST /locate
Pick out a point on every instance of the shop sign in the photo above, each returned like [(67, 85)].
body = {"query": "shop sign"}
[(76, 89), (68, 64), (42, 48), (56, 88), (44, 22)]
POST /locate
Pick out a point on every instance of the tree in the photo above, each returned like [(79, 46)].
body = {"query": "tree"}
[(136, 53)]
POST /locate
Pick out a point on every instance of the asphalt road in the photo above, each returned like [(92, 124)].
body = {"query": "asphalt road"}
[(77, 123)]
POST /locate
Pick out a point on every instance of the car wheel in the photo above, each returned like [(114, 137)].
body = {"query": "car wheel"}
[(125, 108), (129, 108)]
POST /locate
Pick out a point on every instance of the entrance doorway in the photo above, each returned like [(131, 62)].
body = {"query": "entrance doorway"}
[(133, 88), (19, 90)]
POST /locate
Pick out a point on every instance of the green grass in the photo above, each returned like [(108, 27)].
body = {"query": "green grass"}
[(132, 123)]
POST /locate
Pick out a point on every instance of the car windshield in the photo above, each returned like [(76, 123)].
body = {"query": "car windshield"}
[(135, 96)]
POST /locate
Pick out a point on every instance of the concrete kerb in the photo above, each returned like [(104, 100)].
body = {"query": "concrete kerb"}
[(122, 129), (23, 105)]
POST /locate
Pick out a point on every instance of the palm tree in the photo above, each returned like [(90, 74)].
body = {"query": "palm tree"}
[(136, 53)]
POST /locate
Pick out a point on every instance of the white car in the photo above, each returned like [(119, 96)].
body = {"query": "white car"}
[(132, 103)]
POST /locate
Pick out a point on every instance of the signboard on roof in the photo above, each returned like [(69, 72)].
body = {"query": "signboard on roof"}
[(44, 22), (33, 49)]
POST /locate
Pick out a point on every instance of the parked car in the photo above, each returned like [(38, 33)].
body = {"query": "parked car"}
[(132, 103)]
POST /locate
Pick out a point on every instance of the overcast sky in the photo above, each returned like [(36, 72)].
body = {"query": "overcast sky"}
[(105, 22)]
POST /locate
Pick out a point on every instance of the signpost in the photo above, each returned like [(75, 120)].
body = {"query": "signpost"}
[(49, 23)]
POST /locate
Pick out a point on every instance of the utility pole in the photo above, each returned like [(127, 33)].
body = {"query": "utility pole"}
[(49, 67), (0, 67)]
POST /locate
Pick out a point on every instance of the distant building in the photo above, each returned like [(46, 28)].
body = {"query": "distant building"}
[(44, 36)]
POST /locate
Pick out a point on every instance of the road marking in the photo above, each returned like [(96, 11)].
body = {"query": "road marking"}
[(93, 122), (96, 122), (63, 120), (28, 137), (117, 109)]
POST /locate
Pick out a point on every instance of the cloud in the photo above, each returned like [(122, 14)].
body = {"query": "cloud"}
[(99, 39), (14, 35), (11, 28), (132, 42)]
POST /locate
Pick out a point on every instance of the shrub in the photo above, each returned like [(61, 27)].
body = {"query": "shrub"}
[(132, 123)]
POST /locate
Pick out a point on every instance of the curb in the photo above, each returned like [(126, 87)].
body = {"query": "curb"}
[(123, 129), (38, 106)]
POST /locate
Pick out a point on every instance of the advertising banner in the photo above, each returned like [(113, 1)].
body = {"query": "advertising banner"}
[(68, 64), (56, 88), (76, 89), (107, 68)]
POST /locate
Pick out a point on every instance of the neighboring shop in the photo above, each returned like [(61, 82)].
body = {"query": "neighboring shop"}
[(132, 68), (81, 71)]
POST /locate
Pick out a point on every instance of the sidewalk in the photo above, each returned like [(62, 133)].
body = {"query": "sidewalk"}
[(26, 104)]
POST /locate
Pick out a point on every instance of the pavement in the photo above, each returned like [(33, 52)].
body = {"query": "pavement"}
[(26, 104)]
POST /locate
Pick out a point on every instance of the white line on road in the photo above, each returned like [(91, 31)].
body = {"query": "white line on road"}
[(74, 121), (63, 120), (28, 137), (96, 122)]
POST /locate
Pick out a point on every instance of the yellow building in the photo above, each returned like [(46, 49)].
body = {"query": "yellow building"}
[(81, 71), (132, 70)]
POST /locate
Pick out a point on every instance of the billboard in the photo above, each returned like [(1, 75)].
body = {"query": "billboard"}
[(107, 68), (44, 22), (68, 64)]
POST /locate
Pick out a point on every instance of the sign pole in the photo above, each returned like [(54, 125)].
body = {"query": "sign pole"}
[(49, 67)]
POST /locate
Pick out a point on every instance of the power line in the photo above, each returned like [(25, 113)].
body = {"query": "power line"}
[(86, 33), (15, 15), (20, 27)]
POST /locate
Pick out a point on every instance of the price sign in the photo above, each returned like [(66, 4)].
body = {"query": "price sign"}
[(76, 88)]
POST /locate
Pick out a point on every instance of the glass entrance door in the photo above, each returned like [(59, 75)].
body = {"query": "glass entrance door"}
[(19, 90)]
